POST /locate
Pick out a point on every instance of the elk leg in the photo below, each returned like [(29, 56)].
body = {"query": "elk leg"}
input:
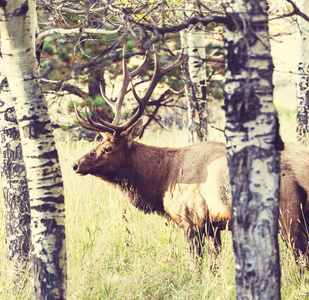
[(214, 241), (302, 242), (213, 244), (294, 219), (195, 239), (298, 240)]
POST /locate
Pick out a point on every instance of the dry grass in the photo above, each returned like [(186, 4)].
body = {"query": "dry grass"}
[(116, 252)]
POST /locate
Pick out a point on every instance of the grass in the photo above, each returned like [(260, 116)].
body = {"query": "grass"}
[(121, 253), (115, 251)]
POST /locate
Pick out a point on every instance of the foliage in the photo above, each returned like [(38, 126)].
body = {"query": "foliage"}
[(94, 59), (92, 53)]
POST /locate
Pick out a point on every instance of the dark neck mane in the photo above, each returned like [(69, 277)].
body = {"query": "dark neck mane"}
[(144, 179)]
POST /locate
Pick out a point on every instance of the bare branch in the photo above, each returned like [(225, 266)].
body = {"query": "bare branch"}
[(297, 11), (42, 35)]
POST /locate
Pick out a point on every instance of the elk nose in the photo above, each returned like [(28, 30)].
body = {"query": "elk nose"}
[(75, 166)]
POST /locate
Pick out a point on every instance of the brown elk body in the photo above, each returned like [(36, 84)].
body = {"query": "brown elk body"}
[(189, 185)]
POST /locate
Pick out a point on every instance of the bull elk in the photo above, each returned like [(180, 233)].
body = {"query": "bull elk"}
[(188, 185)]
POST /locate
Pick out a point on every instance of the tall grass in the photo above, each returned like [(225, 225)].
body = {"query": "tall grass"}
[(115, 251)]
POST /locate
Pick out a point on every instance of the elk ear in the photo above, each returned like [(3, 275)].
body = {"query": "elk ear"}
[(133, 132)]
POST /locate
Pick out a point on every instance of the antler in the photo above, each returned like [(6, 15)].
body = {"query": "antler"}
[(98, 124), (127, 77)]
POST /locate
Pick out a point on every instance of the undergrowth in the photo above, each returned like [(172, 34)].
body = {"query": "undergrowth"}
[(115, 251)]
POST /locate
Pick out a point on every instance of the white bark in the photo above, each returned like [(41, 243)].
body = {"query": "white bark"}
[(14, 188), (193, 40), (192, 125), (252, 140), (41, 158), (198, 76), (302, 85)]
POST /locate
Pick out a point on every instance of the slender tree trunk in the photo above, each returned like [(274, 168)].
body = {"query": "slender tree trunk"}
[(252, 132), (191, 101), (14, 188), (197, 71), (195, 77), (302, 85), (40, 155)]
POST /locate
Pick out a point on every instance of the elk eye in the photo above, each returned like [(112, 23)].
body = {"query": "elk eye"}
[(108, 149), (92, 153)]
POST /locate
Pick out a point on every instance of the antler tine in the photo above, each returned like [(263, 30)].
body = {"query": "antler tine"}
[(103, 122), (158, 74), (117, 104), (89, 124), (98, 124)]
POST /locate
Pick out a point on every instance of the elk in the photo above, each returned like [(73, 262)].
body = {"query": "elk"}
[(188, 185)]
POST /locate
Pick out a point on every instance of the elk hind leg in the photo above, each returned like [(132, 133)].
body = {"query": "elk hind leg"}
[(294, 219)]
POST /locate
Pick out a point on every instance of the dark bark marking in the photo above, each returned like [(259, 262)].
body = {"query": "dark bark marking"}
[(35, 129), (54, 175), (237, 56), (3, 84), (50, 163), (3, 3), (21, 10), (51, 154), (204, 91), (10, 115), (27, 117), (45, 207), (11, 133), (51, 199)]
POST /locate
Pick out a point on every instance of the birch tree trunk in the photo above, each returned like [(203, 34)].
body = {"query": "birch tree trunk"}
[(252, 132), (195, 77), (14, 188), (191, 101), (40, 155), (197, 71), (302, 85)]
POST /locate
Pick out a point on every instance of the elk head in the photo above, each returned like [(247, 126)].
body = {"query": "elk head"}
[(109, 156)]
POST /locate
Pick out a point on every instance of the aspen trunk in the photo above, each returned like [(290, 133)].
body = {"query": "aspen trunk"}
[(14, 189), (302, 84), (40, 155), (195, 78), (191, 101), (197, 71), (252, 132)]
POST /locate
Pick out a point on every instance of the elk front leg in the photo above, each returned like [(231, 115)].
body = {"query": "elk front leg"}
[(213, 243), (213, 246), (195, 239), (213, 239)]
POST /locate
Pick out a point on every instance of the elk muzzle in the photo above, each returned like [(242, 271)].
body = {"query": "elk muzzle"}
[(77, 168)]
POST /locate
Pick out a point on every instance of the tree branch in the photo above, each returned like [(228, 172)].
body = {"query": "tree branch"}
[(185, 24), (42, 35)]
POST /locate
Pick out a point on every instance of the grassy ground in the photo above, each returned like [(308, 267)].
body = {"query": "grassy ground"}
[(117, 252)]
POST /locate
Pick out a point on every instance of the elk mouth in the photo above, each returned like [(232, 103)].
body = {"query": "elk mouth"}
[(76, 169), (81, 174)]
